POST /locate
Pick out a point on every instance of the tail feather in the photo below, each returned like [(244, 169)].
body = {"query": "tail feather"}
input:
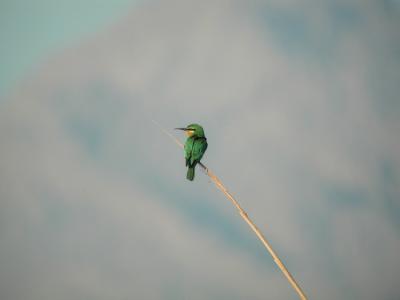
[(190, 173)]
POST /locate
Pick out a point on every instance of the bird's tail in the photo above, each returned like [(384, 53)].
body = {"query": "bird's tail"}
[(190, 173)]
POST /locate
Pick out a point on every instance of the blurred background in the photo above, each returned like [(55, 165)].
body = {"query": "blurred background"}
[(299, 102)]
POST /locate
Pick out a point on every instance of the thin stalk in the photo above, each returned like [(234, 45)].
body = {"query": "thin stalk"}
[(245, 216)]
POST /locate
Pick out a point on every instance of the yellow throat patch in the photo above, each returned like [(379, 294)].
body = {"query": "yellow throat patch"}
[(189, 133)]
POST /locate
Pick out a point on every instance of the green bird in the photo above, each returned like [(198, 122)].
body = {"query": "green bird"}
[(195, 146)]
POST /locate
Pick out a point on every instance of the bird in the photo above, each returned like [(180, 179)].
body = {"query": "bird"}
[(195, 147)]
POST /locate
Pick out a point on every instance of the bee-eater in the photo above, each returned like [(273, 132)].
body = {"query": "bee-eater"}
[(195, 146)]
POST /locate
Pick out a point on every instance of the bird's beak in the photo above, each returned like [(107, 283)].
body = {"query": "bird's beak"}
[(185, 129)]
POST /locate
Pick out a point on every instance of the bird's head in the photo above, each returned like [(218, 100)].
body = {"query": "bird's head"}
[(193, 130)]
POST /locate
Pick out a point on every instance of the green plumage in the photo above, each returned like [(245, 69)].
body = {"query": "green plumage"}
[(190, 173), (195, 147)]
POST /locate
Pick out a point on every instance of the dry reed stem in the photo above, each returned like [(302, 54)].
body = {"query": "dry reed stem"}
[(244, 215)]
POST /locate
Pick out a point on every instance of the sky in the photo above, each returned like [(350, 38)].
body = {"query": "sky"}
[(31, 31), (299, 102)]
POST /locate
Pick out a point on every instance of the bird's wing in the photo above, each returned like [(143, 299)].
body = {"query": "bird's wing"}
[(199, 147), (188, 149)]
